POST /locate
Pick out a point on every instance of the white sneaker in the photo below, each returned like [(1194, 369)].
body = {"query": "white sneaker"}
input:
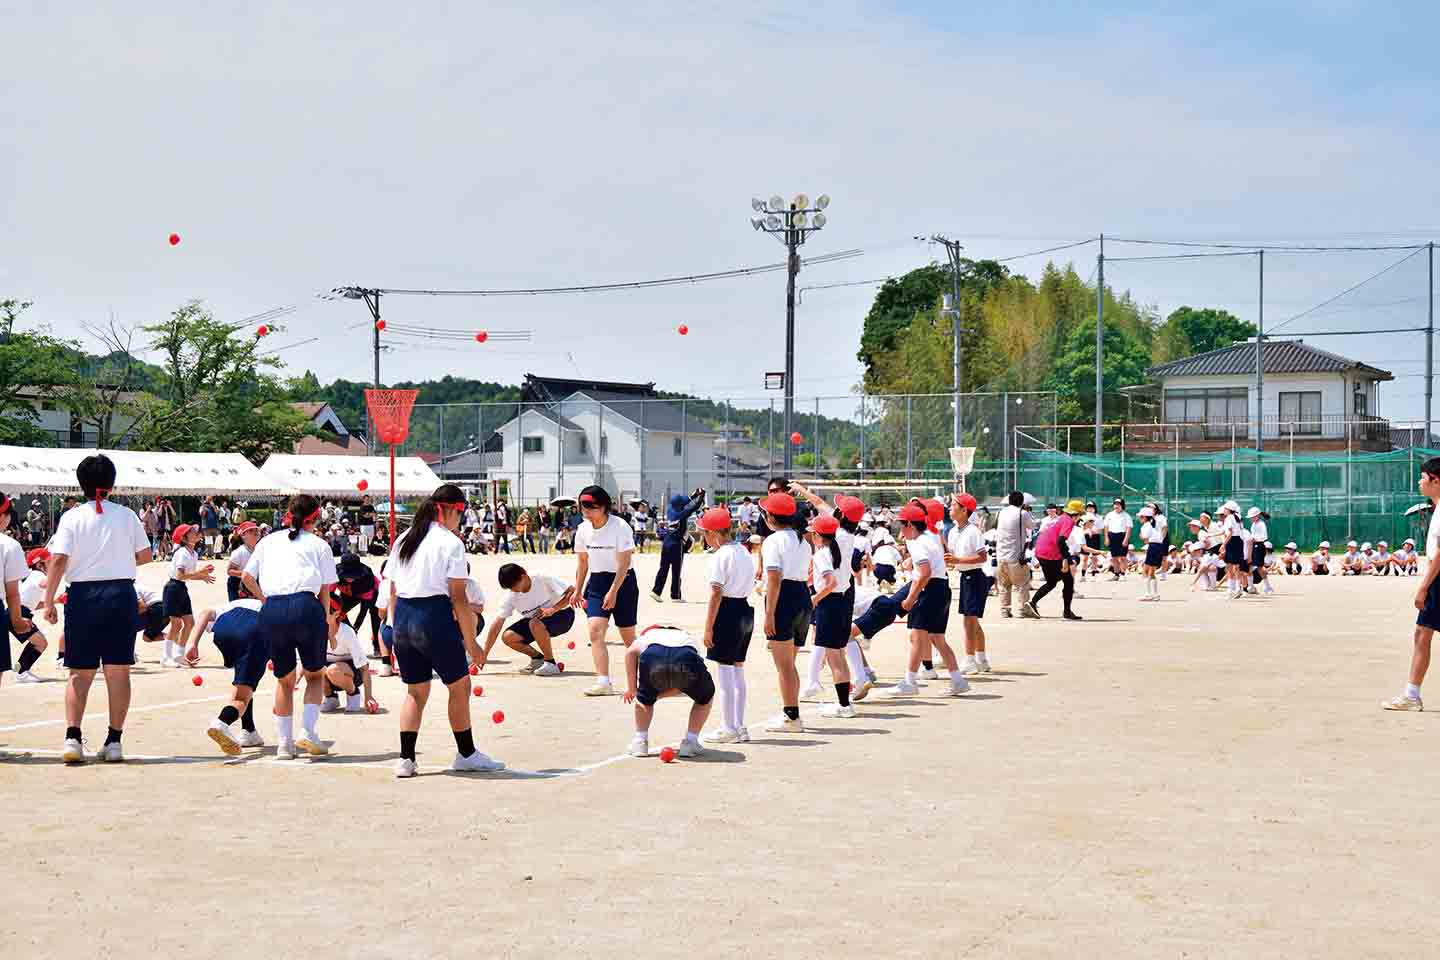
[(958, 686), (902, 689), (602, 688), (74, 752), (639, 746), (28, 676), (224, 738), (929, 674), (477, 762), (862, 690), (355, 705), (874, 677), (330, 705), (547, 670), (689, 748), (835, 711), (111, 753), (405, 769), (742, 735), (285, 750), (169, 662), (656, 597), (311, 743), (983, 664), (969, 666), (250, 738), (532, 666), (721, 736), (387, 671), (1401, 702), (811, 694), (783, 724)]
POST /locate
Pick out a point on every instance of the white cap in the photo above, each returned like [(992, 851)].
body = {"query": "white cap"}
[(1291, 546), (1196, 546), (1409, 541), (1193, 523), (1029, 500), (1252, 513), (1352, 543), (1146, 512), (1232, 506), (1365, 545), (1269, 545), (1381, 543), (1325, 544)]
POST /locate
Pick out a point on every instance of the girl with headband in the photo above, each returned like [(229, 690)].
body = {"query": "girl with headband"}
[(13, 570)]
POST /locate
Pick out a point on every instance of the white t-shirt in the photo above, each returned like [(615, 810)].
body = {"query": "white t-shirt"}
[(428, 572), (783, 550), (239, 557), (147, 596), (925, 549), (347, 647), (283, 566), (822, 567), (878, 536), (1118, 521), (966, 541), (183, 560), (1259, 531), (544, 591), (1159, 529), (1232, 526), (382, 593), (12, 563), (32, 589), (864, 599), (733, 569), (1432, 537), (604, 545), (245, 603), (474, 593), (101, 546), (887, 554), (1076, 541), (665, 637)]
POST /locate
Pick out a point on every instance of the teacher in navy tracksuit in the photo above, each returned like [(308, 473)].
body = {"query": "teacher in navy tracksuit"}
[(672, 547)]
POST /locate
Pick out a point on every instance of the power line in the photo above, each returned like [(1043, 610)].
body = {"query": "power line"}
[(1183, 256), (1036, 253), (1373, 276), (1280, 248)]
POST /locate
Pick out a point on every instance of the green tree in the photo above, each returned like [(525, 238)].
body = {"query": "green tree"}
[(31, 362), (1206, 329), (1072, 374)]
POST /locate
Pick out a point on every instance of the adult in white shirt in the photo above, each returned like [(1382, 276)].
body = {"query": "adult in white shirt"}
[(435, 627), (1012, 532), (1117, 534), (243, 646), (604, 583), (98, 546), (666, 662), (966, 554), (543, 603), (292, 573)]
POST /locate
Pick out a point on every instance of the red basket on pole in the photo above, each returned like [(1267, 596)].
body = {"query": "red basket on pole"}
[(390, 422)]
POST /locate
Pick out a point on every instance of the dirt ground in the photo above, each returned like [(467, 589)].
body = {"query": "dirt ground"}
[(1194, 777)]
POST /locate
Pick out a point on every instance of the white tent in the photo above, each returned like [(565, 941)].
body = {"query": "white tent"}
[(52, 470), (339, 476)]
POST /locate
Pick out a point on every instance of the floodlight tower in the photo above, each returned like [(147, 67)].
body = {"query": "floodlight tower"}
[(790, 224)]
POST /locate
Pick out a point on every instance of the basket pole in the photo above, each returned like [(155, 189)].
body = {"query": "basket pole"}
[(392, 495)]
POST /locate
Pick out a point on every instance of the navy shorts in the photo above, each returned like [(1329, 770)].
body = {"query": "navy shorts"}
[(357, 679), (1094, 541), (627, 598), (734, 623), (857, 560), (931, 612), (1235, 550), (5, 664), (295, 623), (25, 612), (428, 638), (557, 625), (832, 621), (792, 613), (1119, 544), (885, 573), (177, 599), (1155, 554), (154, 621), (883, 612), (1257, 560), (234, 589), (974, 590), (1429, 615), (663, 669), (101, 620), (242, 645), (387, 636)]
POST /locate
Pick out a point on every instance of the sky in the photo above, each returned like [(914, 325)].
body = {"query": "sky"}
[(297, 147)]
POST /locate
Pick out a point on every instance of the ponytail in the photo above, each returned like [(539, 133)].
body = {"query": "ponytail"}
[(445, 495), (303, 509), (829, 540)]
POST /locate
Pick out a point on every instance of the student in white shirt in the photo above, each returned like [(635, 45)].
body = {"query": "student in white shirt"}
[(786, 559), (846, 513), (184, 566), (729, 621), (1259, 534), (347, 668), (927, 602), (1350, 562), (1427, 596), (543, 603), (605, 584), (244, 648), (1290, 560), (967, 555), (1117, 531), (1383, 559), (244, 539), (13, 571), (97, 545), (664, 661), (1232, 533), (435, 627), (1156, 534), (832, 611), (885, 557), (1406, 560), (1320, 560), (31, 596), (292, 573)]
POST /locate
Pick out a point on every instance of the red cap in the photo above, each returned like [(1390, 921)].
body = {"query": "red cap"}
[(914, 512), (824, 523), (36, 555), (178, 537), (245, 527), (851, 508), (780, 504), (966, 501), (934, 514), (716, 518)]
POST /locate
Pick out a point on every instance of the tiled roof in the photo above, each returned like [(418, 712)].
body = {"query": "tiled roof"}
[(1281, 356)]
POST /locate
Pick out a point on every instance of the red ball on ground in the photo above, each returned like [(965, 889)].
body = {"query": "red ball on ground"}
[(796, 439), (174, 239), (363, 485), (481, 337), (372, 707), (498, 716), (561, 665), (684, 329), (479, 691), (572, 644), (474, 670), (379, 324), (667, 755), (197, 679)]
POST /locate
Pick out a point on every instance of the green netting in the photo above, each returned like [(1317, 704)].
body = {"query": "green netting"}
[(1312, 497)]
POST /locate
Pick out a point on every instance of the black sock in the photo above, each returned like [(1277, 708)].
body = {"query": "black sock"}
[(842, 693), (792, 713), (247, 719), (73, 733), (549, 659), (464, 742), (928, 664), (28, 656), (229, 714), (113, 736), (407, 743)]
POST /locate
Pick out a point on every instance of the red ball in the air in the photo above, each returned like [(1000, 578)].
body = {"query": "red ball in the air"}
[(363, 485), (481, 337), (796, 439), (174, 239), (379, 324), (684, 329), (498, 716), (572, 644), (262, 331)]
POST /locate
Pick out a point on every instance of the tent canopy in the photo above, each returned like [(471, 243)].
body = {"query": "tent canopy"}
[(52, 470), (339, 476)]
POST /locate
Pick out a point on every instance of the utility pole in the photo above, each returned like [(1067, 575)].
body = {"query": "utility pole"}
[(952, 251), (1260, 364), (1100, 350), (1429, 340), (371, 296)]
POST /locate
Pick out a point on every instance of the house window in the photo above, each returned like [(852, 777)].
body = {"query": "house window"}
[(1361, 408), (1300, 412), (678, 448), (584, 444), (533, 444), (1216, 408)]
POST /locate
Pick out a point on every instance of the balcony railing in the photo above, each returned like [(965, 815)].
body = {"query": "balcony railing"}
[(1356, 429)]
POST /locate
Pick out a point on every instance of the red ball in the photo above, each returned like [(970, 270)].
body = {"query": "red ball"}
[(379, 324), (667, 755), (262, 331), (481, 337), (372, 708), (479, 691), (796, 439), (572, 644), (474, 670), (363, 485), (174, 239), (197, 679), (684, 329), (561, 665), (498, 716)]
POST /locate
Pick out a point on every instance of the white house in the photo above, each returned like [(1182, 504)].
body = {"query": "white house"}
[(67, 429), (1317, 399), (572, 433)]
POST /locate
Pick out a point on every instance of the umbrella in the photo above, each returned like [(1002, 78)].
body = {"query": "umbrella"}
[(1417, 508), (563, 502)]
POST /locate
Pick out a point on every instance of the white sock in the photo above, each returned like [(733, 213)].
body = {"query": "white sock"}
[(817, 663), (691, 737), (1412, 690), (856, 661), (980, 657), (169, 649), (911, 676), (354, 699), (727, 694), (737, 685), (285, 728), (311, 716)]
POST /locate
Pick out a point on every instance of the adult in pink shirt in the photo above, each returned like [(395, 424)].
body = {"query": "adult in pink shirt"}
[(1055, 561)]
